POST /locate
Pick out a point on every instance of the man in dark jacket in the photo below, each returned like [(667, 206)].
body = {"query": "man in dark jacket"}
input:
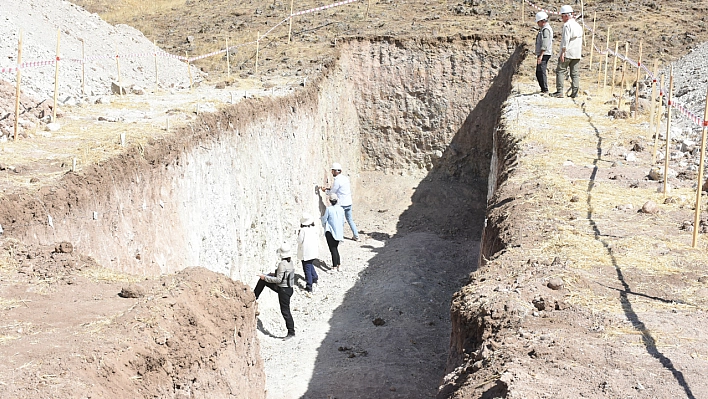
[(282, 282)]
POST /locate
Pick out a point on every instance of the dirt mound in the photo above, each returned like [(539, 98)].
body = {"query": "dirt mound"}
[(70, 334)]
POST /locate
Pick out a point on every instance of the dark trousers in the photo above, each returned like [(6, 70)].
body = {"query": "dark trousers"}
[(333, 244), (310, 274), (541, 74), (284, 295)]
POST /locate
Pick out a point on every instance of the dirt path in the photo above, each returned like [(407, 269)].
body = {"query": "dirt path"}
[(403, 275)]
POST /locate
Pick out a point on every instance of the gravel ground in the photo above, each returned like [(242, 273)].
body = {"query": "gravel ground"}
[(39, 21)]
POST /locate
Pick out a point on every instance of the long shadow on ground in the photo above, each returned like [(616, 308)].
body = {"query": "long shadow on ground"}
[(647, 339), (390, 337)]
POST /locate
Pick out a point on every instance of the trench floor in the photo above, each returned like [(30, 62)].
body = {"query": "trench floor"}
[(404, 271)]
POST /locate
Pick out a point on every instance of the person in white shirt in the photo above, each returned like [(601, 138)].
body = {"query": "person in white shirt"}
[(342, 187), (570, 53), (308, 250)]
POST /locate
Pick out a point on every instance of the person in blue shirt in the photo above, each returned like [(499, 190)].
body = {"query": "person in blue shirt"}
[(343, 188), (333, 223)]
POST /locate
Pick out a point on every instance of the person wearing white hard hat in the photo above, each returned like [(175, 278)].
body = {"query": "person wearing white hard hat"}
[(282, 282), (308, 250), (544, 49), (342, 187), (570, 53), (333, 223)]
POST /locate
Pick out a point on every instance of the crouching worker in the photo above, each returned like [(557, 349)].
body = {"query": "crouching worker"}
[(282, 282)]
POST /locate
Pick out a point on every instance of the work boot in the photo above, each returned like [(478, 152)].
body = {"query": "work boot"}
[(289, 337), (558, 94)]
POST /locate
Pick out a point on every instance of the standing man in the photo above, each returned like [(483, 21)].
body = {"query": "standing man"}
[(282, 282), (570, 49), (342, 187), (544, 46), (308, 250), (333, 223)]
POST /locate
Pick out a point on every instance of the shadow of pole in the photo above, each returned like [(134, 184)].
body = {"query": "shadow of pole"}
[(647, 339)]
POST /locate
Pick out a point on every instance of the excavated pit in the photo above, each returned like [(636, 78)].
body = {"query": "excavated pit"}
[(228, 189)]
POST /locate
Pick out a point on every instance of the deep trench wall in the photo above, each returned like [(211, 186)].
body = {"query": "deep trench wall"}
[(472, 325), (414, 96), (223, 194)]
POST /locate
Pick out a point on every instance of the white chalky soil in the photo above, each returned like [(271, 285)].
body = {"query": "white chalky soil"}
[(407, 280)]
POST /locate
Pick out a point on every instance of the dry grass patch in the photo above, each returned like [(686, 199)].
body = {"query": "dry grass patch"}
[(97, 273)]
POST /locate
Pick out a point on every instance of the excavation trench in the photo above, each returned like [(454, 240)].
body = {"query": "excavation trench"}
[(414, 122)]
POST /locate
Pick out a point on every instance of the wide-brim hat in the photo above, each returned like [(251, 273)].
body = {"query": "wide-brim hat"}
[(333, 197), (306, 219), (336, 166), (285, 251)]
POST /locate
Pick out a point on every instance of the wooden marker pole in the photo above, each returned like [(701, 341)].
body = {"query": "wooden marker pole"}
[(228, 60), (592, 40), (258, 40), (582, 12), (189, 70), (624, 66), (120, 79), (660, 109), (636, 85), (652, 99), (290, 23), (599, 73), (83, 67), (157, 80), (699, 187), (614, 70), (17, 89), (56, 78), (668, 129), (607, 54)]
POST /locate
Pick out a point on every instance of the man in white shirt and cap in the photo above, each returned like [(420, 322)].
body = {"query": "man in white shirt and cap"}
[(342, 188), (570, 49)]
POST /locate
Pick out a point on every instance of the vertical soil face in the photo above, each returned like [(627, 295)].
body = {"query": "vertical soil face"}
[(415, 98)]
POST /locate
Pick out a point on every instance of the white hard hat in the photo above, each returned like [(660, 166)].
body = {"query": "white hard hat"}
[(336, 166), (566, 9), (541, 16), (284, 250)]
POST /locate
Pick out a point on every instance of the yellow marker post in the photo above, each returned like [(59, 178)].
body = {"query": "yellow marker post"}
[(636, 88), (258, 40), (699, 187), (290, 23), (668, 130), (17, 88), (652, 99), (614, 70), (607, 54), (56, 78)]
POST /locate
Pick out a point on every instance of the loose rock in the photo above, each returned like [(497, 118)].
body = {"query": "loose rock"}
[(64, 247), (650, 207), (132, 291), (555, 284)]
